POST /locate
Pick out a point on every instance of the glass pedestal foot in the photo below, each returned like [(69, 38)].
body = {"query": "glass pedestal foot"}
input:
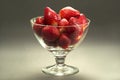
[(60, 70)]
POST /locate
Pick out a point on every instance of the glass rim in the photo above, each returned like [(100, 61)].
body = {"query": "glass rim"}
[(32, 20)]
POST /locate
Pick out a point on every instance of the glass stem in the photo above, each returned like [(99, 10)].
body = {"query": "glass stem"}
[(60, 60)]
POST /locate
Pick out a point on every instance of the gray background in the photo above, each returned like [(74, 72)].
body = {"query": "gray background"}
[(21, 56)]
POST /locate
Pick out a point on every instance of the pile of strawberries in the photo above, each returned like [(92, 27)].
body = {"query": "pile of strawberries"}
[(62, 29)]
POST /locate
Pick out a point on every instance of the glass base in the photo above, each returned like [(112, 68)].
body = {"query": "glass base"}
[(60, 70)]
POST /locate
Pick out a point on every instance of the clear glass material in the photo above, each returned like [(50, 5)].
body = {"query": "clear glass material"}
[(59, 52)]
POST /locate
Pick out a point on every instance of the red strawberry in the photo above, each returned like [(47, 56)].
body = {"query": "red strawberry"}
[(50, 16), (74, 21), (37, 27), (63, 22), (68, 12), (82, 19), (50, 33), (50, 43), (64, 41), (79, 20), (73, 32), (75, 40), (39, 20)]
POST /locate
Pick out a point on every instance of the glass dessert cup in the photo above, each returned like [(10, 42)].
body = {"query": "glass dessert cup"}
[(58, 48)]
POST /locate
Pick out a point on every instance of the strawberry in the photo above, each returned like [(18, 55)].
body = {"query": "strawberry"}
[(82, 19), (79, 20), (50, 43), (73, 32), (74, 21), (68, 12), (63, 22), (64, 41), (77, 35), (50, 16), (76, 40), (39, 20), (37, 27), (50, 33)]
